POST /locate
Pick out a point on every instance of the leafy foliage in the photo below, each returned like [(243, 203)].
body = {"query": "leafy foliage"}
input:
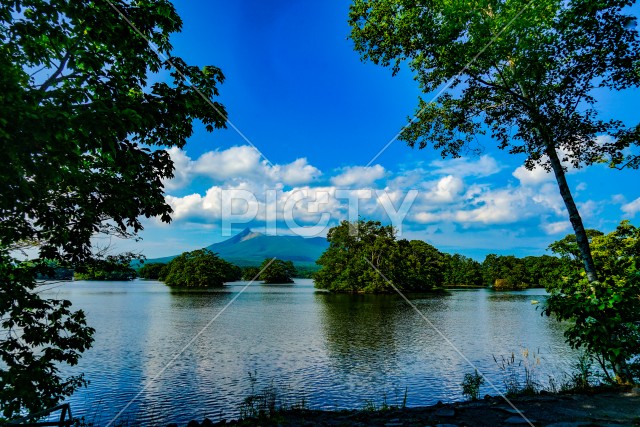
[(471, 385), (509, 272), (525, 72), (111, 267), (199, 269), (277, 271), (460, 270), (346, 266), (30, 378), (81, 132), (605, 314), (151, 271)]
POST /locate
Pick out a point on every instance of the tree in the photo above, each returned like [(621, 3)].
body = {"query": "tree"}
[(198, 269), (277, 271), (344, 265), (82, 129), (524, 71), (359, 251), (460, 270), (605, 315), (111, 267), (250, 273), (151, 271), (420, 266)]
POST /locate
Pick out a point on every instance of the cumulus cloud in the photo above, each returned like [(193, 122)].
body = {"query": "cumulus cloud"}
[(535, 176), (556, 227), (238, 164), (480, 167), (231, 163), (446, 190), (182, 173), (631, 208), (361, 176), (502, 206), (297, 195)]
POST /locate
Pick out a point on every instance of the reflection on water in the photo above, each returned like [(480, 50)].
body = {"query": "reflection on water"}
[(338, 351)]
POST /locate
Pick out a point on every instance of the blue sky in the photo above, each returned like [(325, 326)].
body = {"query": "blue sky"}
[(299, 93)]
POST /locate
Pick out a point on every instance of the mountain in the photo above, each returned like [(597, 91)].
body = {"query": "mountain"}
[(250, 248)]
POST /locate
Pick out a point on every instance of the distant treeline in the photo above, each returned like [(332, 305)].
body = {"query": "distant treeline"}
[(203, 268), (365, 257)]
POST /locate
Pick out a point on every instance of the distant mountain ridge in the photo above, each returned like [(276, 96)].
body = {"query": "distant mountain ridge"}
[(250, 248)]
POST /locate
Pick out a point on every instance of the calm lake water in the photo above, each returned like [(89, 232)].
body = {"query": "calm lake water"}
[(335, 351)]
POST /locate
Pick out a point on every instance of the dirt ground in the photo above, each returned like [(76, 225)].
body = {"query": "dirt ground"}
[(601, 408)]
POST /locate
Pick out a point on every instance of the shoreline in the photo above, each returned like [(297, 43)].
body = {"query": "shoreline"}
[(596, 407)]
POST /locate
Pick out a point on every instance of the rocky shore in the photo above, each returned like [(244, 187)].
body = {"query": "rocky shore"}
[(606, 408)]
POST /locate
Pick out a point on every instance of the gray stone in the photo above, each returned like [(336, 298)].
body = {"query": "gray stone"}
[(509, 410), (445, 412), (518, 421), (570, 424)]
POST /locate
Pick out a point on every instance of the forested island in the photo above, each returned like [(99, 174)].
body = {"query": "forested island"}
[(359, 251)]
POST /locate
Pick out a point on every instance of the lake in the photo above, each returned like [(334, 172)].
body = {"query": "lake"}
[(335, 351)]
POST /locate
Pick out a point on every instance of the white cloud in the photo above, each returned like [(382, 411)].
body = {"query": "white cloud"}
[(182, 173), (535, 176), (446, 190), (238, 164), (501, 206), (631, 208), (233, 162), (464, 166), (360, 176), (556, 227), (296, 173)]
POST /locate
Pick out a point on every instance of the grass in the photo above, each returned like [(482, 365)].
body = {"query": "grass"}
[(370, 405), (268, 401)]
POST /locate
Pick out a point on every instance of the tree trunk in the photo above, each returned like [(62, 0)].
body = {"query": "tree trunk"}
[(574, 216)]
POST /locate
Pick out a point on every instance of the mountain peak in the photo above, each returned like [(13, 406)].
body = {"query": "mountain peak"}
[(247, 234)]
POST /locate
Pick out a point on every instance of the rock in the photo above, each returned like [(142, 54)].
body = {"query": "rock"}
[(172, 425), (509, 410), (634, 392), (193, 423), (570, 424), (445, 412), (207, 423), (518, 421), (487, 396), (439, 403)]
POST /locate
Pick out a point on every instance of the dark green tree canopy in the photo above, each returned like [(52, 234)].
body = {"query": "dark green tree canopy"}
[(82, 116), (199, 269), (151, 271), (526, 72), (110, 267), (277, 271), (346, 265), (605, 316)]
